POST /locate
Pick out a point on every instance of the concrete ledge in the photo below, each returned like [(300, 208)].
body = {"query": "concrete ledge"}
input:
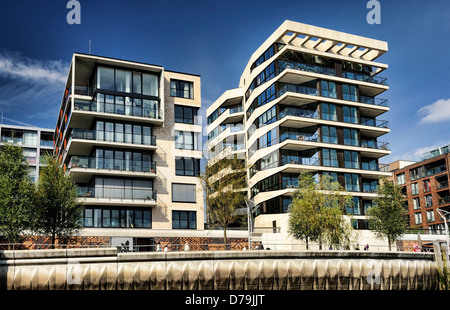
[(106, 269)]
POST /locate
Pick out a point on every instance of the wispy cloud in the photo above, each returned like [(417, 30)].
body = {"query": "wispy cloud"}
[(31, 89), (439, 111), (417, 153), (15, 65)]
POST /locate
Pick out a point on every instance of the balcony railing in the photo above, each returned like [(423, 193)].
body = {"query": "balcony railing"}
[(444, 200), (375, 144), (374, 122), (297, 160), (118, 109), (298, 112), (365, 78), (299, 136), (374, 101), (283, 65), (116, 193), (109, 136), (330, 94), (442, 185), (112, 164), (435, 170)]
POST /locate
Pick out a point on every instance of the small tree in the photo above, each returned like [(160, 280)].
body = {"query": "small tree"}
[(58, 214), (317, 209), (16, 193), (223, 182), (387, 216)]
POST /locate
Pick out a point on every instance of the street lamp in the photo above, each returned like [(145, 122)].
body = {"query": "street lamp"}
[(443, 214), (250, 205)]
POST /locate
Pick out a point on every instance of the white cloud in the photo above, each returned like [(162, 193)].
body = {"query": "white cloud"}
[(438, 111), (31, 89), (14, 65), (417, 153)]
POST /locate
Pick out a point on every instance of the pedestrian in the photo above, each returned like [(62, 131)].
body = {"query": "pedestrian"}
[(366, 248), (158, 247), (166, 249), (186, 246), (261, 247)]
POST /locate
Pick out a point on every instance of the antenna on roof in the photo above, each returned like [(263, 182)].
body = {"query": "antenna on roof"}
[(89, 47)]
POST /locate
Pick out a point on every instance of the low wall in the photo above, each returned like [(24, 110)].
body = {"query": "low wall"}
[(105, 269)]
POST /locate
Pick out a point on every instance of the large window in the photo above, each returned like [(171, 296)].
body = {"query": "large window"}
[(182, 89), (351, 159), (125, 81), (350, 115), (414, 189), (105, 78), (183, 192), (186, 140), (184, 220), (349, 92), (329, 134), (268, 139), (328, 89), (185, 115), (329, 112), (351, 137), (187, 166), (329, 158), (401, 179), (117, 218), (352, 182)]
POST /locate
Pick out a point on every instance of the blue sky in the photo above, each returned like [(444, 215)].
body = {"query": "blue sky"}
[(215, 39)]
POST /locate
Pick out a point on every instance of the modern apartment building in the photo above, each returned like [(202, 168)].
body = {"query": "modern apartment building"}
[(308, 100), (425, 185), (35, 142), (129, 135)]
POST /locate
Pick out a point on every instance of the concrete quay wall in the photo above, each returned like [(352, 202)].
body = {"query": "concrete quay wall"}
[(106, 269)]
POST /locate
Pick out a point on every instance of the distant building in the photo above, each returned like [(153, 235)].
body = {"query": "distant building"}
[(35, 142), (425, 184)]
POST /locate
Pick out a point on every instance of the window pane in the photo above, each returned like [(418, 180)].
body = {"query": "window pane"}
[(105, 78), (123, 81), (150, 85), (137, 83)]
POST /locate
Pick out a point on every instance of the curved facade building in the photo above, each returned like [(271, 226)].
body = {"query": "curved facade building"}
[(309, 99)]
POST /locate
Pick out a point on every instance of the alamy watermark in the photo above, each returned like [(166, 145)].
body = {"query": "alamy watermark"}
[(374, 15), (74, 15)]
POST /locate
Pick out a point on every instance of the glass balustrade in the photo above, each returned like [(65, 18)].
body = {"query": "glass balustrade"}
[(120, 109), (112, 164), (109, 136), (116, 193)]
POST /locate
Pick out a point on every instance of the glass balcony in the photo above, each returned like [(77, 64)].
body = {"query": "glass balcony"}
[(374, 101), (297, 89), (298, 160), (444, 200), (116, 193), (118, 109), (112, 164), (375, 144), (298, 112), (435, 170), (283, 65), (374, 122), (109, 136), (299, 136), (365, 78)]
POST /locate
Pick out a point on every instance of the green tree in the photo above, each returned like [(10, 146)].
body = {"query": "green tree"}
[(58, 214), (316, 211), (387, 215), (223, 182), (16, 193)]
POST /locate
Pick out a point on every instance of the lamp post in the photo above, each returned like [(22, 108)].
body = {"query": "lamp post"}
[(249, 222), (443, 214)]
